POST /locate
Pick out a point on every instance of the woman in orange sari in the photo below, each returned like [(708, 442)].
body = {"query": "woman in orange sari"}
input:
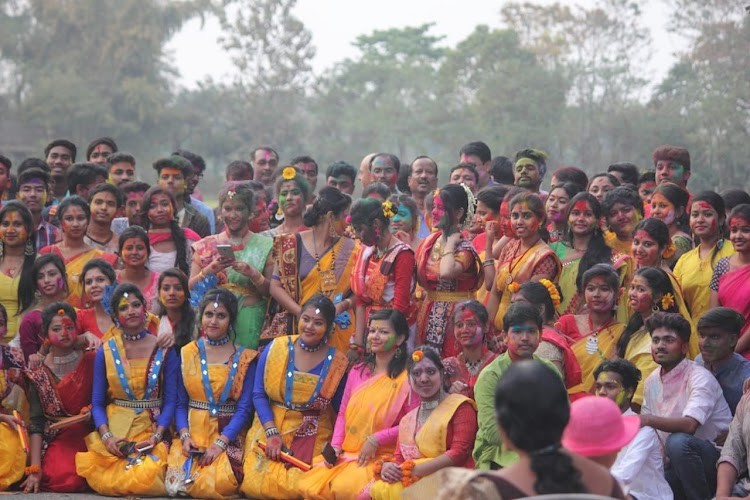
[(376, 397), (448, 268), (526, 258), (318, 260), (75, 214), (384, 271)]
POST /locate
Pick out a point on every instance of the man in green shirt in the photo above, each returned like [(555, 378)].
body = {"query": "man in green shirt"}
[(523, 327)]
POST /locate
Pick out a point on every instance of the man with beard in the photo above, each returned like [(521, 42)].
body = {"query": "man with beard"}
[(529, 169), (60, 155), (422, 182)]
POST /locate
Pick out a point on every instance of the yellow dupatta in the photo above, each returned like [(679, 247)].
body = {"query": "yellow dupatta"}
[(606, 340)]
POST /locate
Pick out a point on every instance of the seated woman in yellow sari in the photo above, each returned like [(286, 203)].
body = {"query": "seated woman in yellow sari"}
[(376, 397), (294, 413), (12, 455), (75, 214), (133, 403), (439, 433), (595, 333), (318, 260), (245, 272), (215, 404)]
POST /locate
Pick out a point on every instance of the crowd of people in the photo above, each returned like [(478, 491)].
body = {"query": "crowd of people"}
[(483, 338)]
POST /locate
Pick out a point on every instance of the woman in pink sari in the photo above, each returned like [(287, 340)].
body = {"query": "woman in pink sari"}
[(730, 284)]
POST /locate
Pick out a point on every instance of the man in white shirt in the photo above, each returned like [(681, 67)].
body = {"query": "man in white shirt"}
[(685, 404), (640, 465)]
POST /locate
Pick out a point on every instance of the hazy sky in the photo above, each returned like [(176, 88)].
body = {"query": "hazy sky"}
[(335, 24)]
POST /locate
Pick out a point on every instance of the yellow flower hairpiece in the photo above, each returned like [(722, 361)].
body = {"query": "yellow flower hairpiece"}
[(669, 251), (61, 312), (667, 301), (288, 173), (388, 209), (553, 292), (417, 356), (514, 286)]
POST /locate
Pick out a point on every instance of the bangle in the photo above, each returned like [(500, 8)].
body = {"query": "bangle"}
[(272, 431), (156, 436), (446, 253), (488, 262), (107, 436), (33, 469), (221, 443), (200, 275), (260, 282), (185, 435)]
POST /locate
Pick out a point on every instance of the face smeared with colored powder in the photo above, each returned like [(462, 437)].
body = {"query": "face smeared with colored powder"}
[(12, 229), (505, 223), (440, 216), (704, 220), (582, 220), (609, 385), (662, 208), (645, 249), (390, 343), (402, 220), (62, 331), (467, 328)]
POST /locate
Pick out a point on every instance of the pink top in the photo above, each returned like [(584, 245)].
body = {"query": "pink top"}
[(357, 376)]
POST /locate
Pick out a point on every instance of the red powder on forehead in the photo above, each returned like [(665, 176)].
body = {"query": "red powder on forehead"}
[(581, 206), (66, 321), (702, 205), (466, 314), (642, 234), (738, 221)]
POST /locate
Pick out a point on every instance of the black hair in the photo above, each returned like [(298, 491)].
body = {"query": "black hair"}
[(742, 211), (120, 157), (329, 200), (492, 196), (670, 321), (603, 270), (298, 179), (466, 166), (73, 201), (571, 174), (627, 195), (502, 170), (83, 174), (133, 232), (103, 266), (196, 160), (174, 161), (537, 156), (108, 141), (408, 202), (242, 193), (647, 176), (29, 163), (184, 330), (119, 293), (656, 229), (536, 205), (52, 311), (178, 235), (615, 182), (135, 187), (43, 260), (33, 173), (732, 198), (325, 307), (570, 188), (430, 353), (5, 161), (532, 408), (597, 251), (538, 295), (227, 299), (717, 203), (628, 372), (679, 197), (628, 170), (402, 183), (660, 285), (304, 159), (366, 211), (379, 188), (108, 188), (726, 319), (238, 168), (397, 320), (64, 143), (424, 157), (521, 312), (478, 149), (454, 198), (474, 306), (341, 168), (393, 159), (25, 293)]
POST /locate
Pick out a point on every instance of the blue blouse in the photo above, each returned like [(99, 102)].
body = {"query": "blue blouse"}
[(241, 417), (262, 401), (170, 373)]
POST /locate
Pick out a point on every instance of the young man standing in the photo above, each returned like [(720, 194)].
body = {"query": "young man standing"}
[(33, 191), (309, 168), (198, 167), (523, 324), (121, 168), (341, 176), (264, 161), (672, 164), (478, 154), (684, 403), (104, 201), (59, 155), (422, 183), (82, 177), (639, 466), (173, 172), (529, 169), (384, 168), (132, 196)]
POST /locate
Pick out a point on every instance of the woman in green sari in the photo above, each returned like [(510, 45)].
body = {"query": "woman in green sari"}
[(246, 272)]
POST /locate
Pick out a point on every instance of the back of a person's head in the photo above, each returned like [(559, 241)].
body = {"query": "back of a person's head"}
[(532, 408)]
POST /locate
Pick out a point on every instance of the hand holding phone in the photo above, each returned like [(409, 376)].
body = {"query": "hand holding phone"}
[(329, 454), (225, 252)]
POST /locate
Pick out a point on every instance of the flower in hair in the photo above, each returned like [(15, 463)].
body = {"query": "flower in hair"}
[(388, 209), (288, 173), (61, 312), (417, 356), (231, 193), (667, 301), (514, 286), (552, 290)]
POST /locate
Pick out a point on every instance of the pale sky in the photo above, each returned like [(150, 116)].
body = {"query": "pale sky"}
[(335, 24)]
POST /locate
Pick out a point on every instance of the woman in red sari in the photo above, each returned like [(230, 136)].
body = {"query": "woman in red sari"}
[(383, 275), (730, 284), (60, 388), (448, 268)]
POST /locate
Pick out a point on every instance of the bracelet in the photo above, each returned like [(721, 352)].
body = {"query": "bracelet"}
[(185, 435), (33, 469), (221, 443), (446, 253), (260, 282), (200, 275), (107, 436), (156, 436), (272, 431), (488, 262)]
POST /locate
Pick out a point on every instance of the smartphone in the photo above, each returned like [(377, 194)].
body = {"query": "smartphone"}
[(329, 454), (126, 447), (225, 251)]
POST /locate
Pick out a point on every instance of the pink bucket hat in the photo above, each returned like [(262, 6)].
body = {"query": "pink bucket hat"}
[(597, 427)]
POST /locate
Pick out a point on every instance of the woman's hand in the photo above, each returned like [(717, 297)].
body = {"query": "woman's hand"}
[(337, 450), (368, 451), (165, 339), (32, 482), (188, 445), (391, 473), (218, 264), (245, 269), (273, 447), (458, 387), (91, 341), (113, 446), (403, 236), (35, 361), (493, 229), (12, 421), (208, 458), (342, 307)]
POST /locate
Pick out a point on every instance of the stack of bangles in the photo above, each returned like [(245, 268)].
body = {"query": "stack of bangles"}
[(33, 469), (488, 262)]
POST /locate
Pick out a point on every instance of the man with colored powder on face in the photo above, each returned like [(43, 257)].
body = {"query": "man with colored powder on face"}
[(133, 194), (172, 173), (384, 168), (104, 202), (198, 167), (264, 160), (341, 175), (309, 168), (523, 327), (529, 169), (422, 183), (672, 164), (33, 191), (121, 168), (478, 154), (639, 466), (59, 155)]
